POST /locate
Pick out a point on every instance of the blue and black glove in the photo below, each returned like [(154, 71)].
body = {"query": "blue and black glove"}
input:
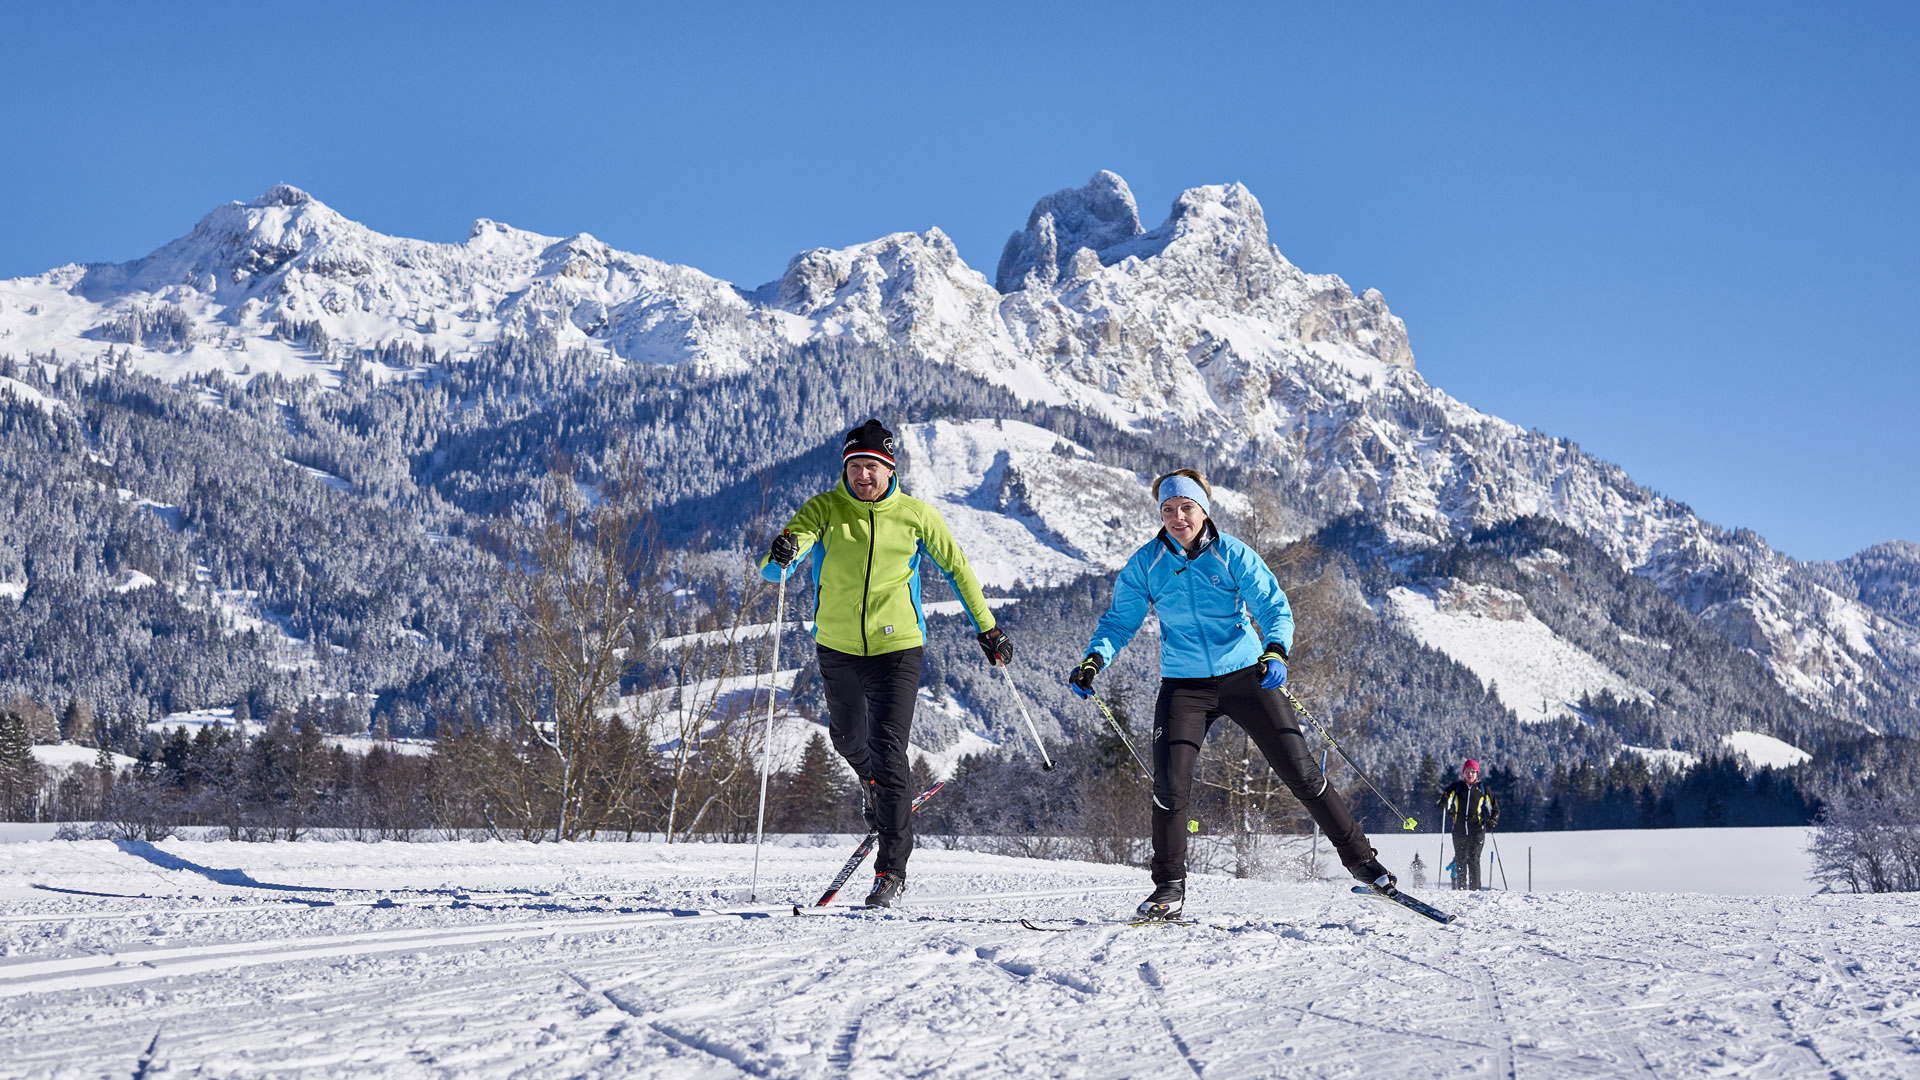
[(1275, 658), (1081, 681)]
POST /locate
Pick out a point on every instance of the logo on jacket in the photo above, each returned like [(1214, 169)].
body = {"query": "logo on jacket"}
[(886, 629)]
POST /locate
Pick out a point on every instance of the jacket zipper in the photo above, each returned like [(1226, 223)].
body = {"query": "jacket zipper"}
[(865, 586)]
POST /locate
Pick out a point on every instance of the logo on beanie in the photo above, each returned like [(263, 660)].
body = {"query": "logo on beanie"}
[(869, 440)]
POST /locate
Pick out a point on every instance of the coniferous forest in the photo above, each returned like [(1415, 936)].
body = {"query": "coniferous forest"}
[(362, 560)]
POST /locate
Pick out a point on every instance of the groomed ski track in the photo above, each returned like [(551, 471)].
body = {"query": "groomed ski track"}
[(644, 960)]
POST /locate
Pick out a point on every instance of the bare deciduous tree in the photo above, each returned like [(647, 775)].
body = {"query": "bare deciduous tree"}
[(578, 584), (1869, 842)]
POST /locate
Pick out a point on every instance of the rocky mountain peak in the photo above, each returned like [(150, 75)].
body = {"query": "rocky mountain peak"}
[(282, 195), (1095, 216)]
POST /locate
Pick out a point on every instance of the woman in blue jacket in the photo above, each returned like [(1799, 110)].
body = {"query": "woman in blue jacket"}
[(1210, 590)]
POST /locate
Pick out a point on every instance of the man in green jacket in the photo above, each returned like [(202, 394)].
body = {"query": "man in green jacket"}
[(867, 539)]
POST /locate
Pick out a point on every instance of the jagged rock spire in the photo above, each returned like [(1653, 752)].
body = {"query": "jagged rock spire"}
[(1098, 215)]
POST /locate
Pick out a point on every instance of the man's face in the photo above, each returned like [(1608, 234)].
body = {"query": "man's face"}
[(1470, 775), (868, 478)]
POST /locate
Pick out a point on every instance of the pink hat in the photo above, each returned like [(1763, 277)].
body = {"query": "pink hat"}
[(1471, 764)]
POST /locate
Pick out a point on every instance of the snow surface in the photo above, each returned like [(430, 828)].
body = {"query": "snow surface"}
[(1662, 758), (65, 756), (29, 396), (327, 478), (195, 719), (1765, 751), (609, 959), (1535, 672)]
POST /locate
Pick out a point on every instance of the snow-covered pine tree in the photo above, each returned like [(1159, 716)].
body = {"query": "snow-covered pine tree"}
[(19, 772)]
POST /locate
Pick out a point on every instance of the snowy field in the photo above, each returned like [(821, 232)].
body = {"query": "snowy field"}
[(488, 959)]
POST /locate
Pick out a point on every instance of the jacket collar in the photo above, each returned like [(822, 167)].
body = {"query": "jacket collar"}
[(884, 502), (1208, 534)]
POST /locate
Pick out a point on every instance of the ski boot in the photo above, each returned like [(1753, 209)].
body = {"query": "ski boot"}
[(888, 885), (1371, 874), (1166, 901)]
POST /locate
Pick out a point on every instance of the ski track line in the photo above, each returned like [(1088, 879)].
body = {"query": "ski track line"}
[(120, 968), (737, 1058), (1157, 991), (1578, 978), (401, 1018), (1845, 989), (146, 1059), (840, 1058), (114, 969), (1486, 1001), (275, 905)]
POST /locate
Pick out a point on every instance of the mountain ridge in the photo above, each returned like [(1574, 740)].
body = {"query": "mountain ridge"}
[(1199, 323)]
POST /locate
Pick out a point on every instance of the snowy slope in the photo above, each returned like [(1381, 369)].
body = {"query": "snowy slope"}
[(1535, 672), (63, 757), (1199, 322), (1765, 751), (484, 960), (1028, 506)]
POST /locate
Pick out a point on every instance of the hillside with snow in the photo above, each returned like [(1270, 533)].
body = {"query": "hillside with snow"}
[(1198, 326)]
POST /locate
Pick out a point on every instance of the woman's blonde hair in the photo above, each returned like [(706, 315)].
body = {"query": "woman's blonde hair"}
[(1191, 474)]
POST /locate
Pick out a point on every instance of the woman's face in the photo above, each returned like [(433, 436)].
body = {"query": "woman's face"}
[(1183, 518)]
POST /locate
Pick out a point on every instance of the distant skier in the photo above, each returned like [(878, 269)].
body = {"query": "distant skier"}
[(1474, 812), (867, 538), (1209, 590)]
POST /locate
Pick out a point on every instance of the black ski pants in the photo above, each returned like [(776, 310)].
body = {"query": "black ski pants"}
[(1185, 711), (870, 710), (1466, 859)]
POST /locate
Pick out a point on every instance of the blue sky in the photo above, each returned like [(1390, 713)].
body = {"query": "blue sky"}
[(1684, 236)]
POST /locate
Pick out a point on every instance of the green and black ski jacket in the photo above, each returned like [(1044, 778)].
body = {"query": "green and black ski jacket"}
[(865, 558)]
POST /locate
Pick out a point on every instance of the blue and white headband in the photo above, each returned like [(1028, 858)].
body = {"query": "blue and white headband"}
[(1184, 487)]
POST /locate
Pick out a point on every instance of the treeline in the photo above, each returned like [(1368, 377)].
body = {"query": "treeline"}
[(165, 548)]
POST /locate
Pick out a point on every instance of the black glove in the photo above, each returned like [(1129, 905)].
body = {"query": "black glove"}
[(784, 549), (999, 650), (1081, 681)]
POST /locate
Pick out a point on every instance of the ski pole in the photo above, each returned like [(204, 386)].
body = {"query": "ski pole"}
[(1122, 732), (1406, 822), (1313, 856), (1446, 817), (1046, 763), (766, 747), (1500, 862)]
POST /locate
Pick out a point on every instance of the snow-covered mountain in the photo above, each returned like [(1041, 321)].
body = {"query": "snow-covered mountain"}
[(1199, 324), (245, 289)]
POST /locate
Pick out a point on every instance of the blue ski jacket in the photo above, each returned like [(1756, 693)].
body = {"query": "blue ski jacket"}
[(1218, 606)]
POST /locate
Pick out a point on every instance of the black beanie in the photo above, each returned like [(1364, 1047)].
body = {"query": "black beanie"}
[(869, 440)]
